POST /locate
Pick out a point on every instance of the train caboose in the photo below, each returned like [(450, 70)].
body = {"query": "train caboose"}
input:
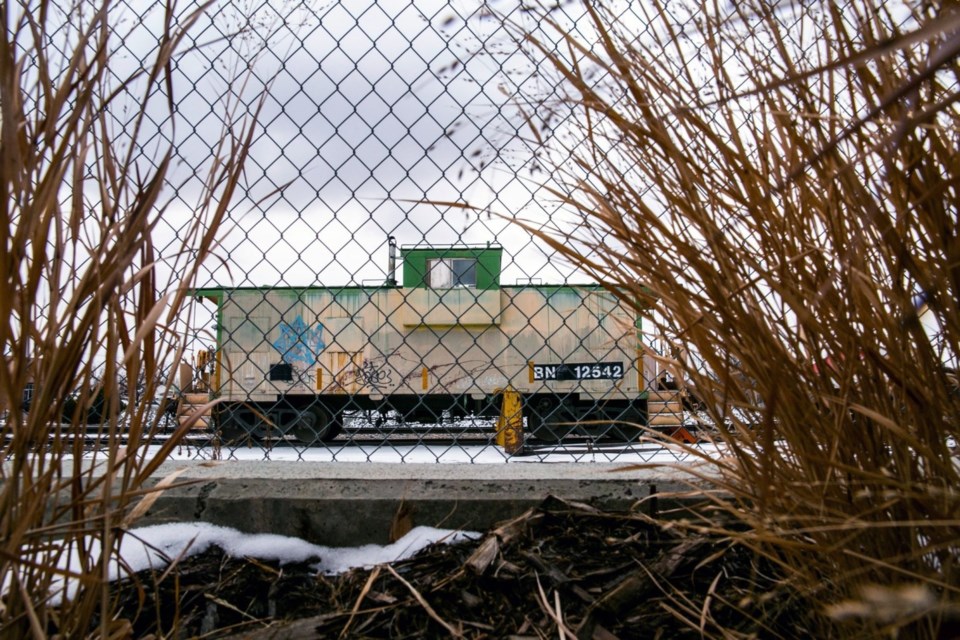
[(441, 343)]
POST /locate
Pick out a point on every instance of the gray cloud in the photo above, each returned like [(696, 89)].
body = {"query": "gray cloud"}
[(370, 109)]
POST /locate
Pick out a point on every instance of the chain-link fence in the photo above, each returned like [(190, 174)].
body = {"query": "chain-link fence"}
[(371, 294), (358, 311)]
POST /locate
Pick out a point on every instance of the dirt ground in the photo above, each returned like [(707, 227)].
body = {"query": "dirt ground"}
[(562, 570)]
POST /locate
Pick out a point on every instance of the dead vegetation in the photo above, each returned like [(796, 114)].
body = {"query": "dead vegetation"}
[(779, 180), (563, 568), (87, 300), (788, 212)]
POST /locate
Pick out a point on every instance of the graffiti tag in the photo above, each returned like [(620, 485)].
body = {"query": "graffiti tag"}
[(300, 344), (370, 375)]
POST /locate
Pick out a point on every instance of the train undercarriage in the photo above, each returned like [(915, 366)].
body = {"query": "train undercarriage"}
[(310, 419)]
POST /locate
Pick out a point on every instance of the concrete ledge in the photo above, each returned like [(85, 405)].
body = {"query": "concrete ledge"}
[(348, 504)]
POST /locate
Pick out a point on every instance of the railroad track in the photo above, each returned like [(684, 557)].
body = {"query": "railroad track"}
[(360, 433)]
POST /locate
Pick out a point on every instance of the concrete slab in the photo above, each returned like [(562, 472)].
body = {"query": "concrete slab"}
[(348, 504)]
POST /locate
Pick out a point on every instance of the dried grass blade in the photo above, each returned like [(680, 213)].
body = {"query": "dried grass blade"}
[(705, 610), (423, 603), (147, 501), (554, 612), (374, 574)]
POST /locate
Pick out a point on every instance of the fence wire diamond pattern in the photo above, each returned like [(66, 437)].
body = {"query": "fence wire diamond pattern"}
[(371, 295)]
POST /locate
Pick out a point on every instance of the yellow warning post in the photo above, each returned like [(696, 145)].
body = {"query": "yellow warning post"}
[(510, 422)]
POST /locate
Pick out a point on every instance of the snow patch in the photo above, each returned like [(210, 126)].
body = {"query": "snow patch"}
[(155, 547), (151, 547)]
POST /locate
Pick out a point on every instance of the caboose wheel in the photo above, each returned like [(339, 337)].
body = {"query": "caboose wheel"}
[(316, 424), (305, 430), (549, 421), (618, 424), (231, 432), (334, 427), (236, 424)]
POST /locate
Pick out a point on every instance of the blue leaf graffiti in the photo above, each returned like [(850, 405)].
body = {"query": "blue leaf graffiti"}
[(298, 343)]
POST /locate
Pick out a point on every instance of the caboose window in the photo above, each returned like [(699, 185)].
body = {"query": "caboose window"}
[(446, 273)]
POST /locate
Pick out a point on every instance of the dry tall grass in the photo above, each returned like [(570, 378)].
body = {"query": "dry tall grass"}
[(85, 302), (781, 180)]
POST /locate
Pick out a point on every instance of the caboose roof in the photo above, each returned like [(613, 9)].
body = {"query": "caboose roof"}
[(488, 257)]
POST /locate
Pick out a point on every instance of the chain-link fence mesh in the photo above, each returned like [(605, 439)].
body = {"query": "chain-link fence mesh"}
[(354, 311), (371, 295)]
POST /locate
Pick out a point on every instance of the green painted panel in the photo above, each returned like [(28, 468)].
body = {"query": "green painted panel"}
[(415, 264)]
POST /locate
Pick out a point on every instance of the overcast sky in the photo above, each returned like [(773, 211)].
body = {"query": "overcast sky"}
[(370, 109)]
